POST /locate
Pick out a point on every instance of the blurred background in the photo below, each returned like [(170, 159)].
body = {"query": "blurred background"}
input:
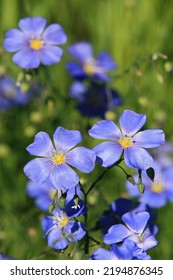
[(138, 36)]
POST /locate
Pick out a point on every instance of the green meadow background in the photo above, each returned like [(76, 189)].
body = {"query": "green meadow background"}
[(139, 36)]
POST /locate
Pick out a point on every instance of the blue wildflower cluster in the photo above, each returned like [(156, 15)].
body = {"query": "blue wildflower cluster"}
[(91, 86), (55, 173)]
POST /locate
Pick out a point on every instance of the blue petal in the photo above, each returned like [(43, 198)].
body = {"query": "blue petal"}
[(105, 61), (75, 230), (81, 51), (136, 222), (105, 129), (103, 254), (136, 157), (57, 240), (78, 90), (14, 40), (42, 145), (81, 158), (27, 58), (65, 139), (63, 177), (33, 26), (75, 70), (38, 170), (74, 191), (154, 200), (150, 138), (108, 153), (149, 243), (131, 122), (50, 55), (54, 34), (121, 206), (116, 234), (47, 224)]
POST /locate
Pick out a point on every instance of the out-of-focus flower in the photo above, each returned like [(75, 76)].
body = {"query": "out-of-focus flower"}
[(126, 140), (135, 228), (44, 195), (158, 192), (164, 154), (94, 100), (86, 65), (61, 230), (3, 257), (33, 44), (11, 94), (54, 159)]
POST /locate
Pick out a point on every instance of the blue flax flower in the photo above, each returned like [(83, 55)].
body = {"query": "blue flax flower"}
[(11, 94), (61, 230), (87, 65), (126, 251), (118, 208), (44, 195), (136, 229), (33, 44), (158, 192), (54, 159), (126, 140), (94, 100)]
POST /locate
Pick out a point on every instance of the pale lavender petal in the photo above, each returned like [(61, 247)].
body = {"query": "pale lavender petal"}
[(50, 55), (136, 157), (82, 51), (26, 58), (116, 234), (108, 153), (154, 200), (42, 145), (150, 138), (38, 170), (54, 34), (32, 26), (105, 129), (56, 239), (65, 139), (131, 122), (81, 158), (136, 222), (14, 40), (63, 177), (105, 61), (149, 243)]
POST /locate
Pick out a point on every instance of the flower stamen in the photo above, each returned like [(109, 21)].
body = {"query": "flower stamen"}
[(157, 188), (58, 158), (125, 142), (36, 44)]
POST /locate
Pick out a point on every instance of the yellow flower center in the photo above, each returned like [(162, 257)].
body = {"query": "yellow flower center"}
[(140, 238), (36, 44), (58, 158), (63, 221), (125, 142), (89, 68), (157, 188)]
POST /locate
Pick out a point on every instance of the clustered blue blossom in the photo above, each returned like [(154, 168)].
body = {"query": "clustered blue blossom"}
[(90, 89), (54, 182), (11, 94)]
